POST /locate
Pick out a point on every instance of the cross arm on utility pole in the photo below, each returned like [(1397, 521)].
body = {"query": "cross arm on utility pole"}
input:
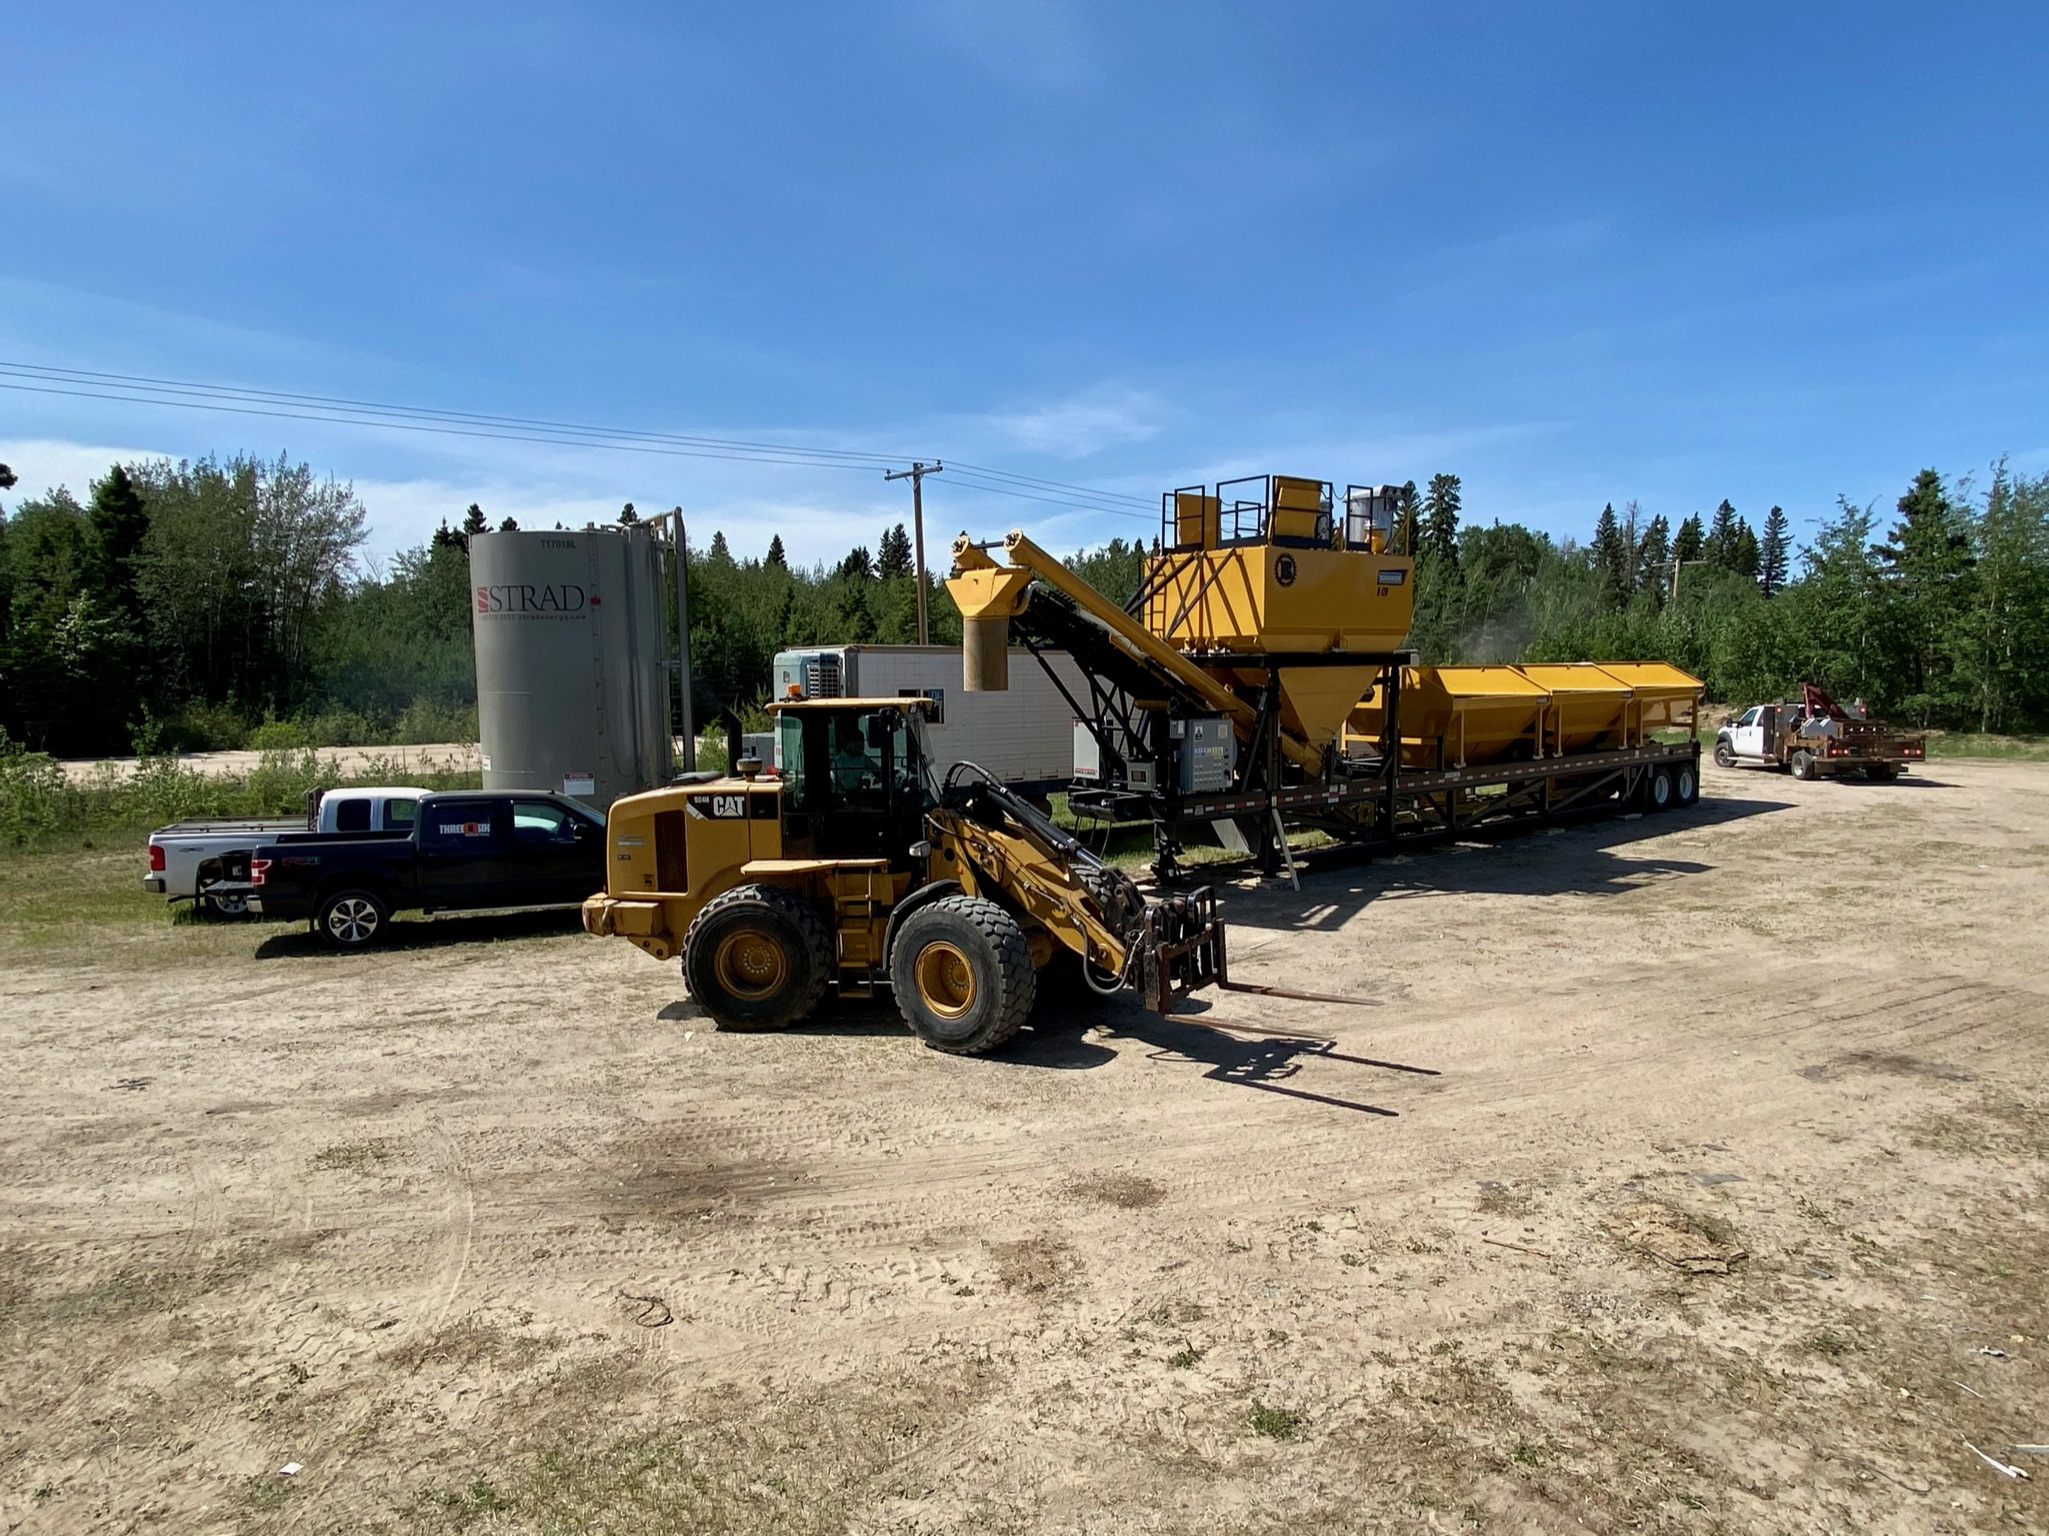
[(916, 475)]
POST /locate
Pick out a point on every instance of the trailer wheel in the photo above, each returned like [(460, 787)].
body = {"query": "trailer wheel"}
[(1687, 782), (1802, 764), (757, 958), (1725, 755), (963, 975), (352, 919), (1657, 789)]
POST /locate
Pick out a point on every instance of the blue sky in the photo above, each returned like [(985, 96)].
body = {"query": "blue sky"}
[(1572, 252)]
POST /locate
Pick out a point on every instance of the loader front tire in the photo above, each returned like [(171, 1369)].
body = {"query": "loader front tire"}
[(963, 975), (757, 958)]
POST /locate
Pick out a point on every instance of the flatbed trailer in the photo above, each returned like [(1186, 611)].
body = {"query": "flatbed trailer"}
[(1374, 801)]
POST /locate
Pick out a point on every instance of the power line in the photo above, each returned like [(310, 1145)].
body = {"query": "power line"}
[(142, 389)]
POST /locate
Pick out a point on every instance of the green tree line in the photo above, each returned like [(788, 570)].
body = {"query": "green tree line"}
[(1936, 614), (219, 602)]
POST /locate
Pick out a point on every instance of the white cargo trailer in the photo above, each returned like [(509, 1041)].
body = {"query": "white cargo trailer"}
[(1024, 736)]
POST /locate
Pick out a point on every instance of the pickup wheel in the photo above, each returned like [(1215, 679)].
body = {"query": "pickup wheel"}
[(1802, 764), (352, 919), (1725, 755), (962, 970), (222, 906), (757, 958)]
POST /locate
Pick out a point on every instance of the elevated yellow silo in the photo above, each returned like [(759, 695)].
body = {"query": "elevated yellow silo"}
[(1275, 566)]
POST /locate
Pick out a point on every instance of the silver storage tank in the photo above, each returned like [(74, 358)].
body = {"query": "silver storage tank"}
[(572, 660)]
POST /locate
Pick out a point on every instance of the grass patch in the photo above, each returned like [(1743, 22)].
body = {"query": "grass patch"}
[(1274, 1423), (2033, 749)]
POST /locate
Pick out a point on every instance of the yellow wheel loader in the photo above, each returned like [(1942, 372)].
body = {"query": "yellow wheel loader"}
[(852, 870)]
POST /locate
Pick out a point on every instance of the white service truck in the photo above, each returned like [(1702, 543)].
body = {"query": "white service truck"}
[(185, 857), (1024, 736)]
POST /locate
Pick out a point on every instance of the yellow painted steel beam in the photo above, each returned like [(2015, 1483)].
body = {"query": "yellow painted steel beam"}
[(1141, 642)]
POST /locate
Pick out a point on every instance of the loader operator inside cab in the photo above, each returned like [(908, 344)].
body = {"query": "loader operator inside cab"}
[(851, 764), (854, 780)]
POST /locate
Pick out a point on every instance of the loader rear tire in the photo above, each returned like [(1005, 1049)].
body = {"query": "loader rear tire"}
[(963, 974), (757, 958)]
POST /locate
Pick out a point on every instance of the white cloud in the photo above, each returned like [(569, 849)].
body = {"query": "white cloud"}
[(1081, 424), (45, 464)]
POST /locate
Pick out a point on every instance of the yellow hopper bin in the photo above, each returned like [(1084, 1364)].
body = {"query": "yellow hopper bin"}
[(1666, 698), (1592, 710), (1455, 717)]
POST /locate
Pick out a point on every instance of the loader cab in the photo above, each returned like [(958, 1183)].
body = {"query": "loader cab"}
[(857, 777)]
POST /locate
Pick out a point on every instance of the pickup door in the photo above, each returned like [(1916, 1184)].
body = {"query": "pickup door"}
[(560, 854), (1746, 737), (466, 855)]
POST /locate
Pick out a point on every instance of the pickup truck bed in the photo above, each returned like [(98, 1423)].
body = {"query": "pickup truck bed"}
[(191, 860), (468, 851)]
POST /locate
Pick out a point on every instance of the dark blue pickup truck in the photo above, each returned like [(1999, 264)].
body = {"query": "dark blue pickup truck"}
[(467, 850)]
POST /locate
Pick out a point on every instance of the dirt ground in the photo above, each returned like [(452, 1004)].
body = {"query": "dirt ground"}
[(1688, 1176)]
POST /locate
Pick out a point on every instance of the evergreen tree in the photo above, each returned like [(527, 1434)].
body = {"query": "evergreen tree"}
[(1925, 567), (119, 522), (1775, 555), (1721, 538), (446, 537), (2005, 638), (474, 521), (1691, 543), (1746, 557), (893, 554), (627, 516), (718, 550), (7, 479), (776, 557), (1440, 520), (1613, 559), (510, 525), (1408, 511), (858, 566), (1653, 559)]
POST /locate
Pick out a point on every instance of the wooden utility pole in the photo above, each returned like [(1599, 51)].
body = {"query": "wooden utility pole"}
[(916, 475)]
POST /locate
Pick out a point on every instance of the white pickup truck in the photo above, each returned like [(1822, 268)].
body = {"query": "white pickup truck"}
[(185, 857)]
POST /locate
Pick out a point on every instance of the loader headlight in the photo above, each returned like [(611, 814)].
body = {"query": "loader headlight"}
[(921, 849)]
